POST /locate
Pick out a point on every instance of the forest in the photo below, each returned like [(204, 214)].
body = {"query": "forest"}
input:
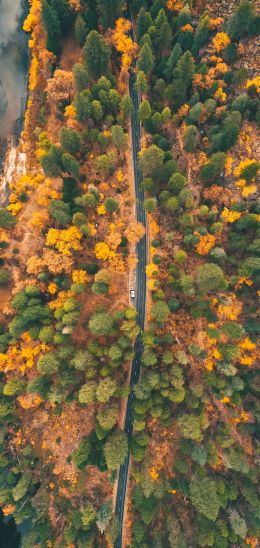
[(71, 240)]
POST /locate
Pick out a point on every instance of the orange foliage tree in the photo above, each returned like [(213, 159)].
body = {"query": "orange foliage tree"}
[(134, 232), (124, 45)]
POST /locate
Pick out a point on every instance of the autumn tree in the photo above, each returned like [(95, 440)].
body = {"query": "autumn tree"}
[(60, 86), (134, 232)]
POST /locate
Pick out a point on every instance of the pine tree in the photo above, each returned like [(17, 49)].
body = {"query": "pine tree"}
[(163, 33), (80, 30), (119, 137), (64, 14), (172, 61), (146, 59), (126, 106), (96, 54), (186, 68), (80, 76), (141, 82), (109, 11), (52, 26), (144, 110), (242, 19), (70, 140), (144, 21)]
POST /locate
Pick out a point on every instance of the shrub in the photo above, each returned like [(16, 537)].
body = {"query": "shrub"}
[(4, 277), (6, 218), (234, 331)]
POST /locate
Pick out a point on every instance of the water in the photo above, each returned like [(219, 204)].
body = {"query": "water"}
[(9, 536), (13, 64), (13, 91)]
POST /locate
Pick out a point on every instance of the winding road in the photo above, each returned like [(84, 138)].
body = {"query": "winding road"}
[(140, 304)]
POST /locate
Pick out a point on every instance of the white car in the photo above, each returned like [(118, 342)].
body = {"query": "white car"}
[(132, 294)]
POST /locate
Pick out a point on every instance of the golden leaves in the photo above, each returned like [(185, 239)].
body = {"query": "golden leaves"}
[(205, 244), (220, 41), (65, 240), (103, 251), (230, 216)]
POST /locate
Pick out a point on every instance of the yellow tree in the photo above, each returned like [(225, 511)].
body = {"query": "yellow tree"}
[(124, 45)]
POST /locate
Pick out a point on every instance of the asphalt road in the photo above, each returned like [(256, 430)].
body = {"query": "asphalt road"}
[(140, 304)]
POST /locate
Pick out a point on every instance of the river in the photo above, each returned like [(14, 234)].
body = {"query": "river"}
[(13, 72), (13, 93)]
